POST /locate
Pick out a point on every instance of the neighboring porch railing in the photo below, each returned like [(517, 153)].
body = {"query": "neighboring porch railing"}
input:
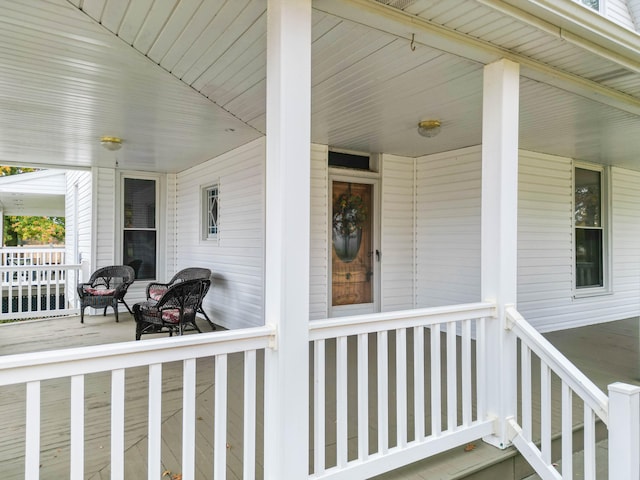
[(78, 364), (350, 401), (34, 291), (620, 412), (19, 256), (34, 281)]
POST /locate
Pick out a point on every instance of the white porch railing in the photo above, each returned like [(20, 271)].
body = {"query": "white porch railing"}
[(33, 291), (620, 412), (388, 389), (399, 345), (33, 369), (34, 282), (18, 256)]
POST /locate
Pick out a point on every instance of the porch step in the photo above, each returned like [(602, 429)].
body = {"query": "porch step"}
[(602, 452), (482, 462), (485, 462)]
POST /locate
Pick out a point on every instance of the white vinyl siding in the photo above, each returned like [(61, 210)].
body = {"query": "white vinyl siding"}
[(168, 215), (78, 226), (448, 235), (618, 12), (448, 227), (545, 237), (104, 213), (545, 252), (625, 227), (236, 297), (319, 254), (78, 217), (397, 242)]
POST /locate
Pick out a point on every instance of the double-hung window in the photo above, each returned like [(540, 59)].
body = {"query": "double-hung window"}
[(139, 243), (590, 228)]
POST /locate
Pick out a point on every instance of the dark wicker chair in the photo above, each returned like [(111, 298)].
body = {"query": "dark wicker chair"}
[(174, 312), (106, 288), (155, 290)]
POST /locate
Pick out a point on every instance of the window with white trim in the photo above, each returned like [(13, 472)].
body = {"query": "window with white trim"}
[(590, 240), (211, 204)]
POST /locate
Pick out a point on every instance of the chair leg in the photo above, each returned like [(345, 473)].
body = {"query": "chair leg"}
[(82, 313), (125, 304), (115, 309), (138, 330), (206, 317)]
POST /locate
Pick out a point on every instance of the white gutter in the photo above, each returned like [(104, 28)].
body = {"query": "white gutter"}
[(578, 25), (424, 32)]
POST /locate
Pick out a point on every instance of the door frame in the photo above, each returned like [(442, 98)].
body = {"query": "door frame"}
[(373, 179)]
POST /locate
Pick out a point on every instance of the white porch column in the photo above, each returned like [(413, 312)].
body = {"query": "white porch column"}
[(287, 238), (624, 431), (499, 235)]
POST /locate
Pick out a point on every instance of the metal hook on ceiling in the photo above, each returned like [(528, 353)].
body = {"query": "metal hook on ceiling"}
[(413, 42)]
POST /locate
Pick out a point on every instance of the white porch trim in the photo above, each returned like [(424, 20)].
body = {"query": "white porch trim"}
[(499, 235), (287, 238)]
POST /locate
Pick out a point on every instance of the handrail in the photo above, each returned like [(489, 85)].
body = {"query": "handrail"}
[(377, 322), (29, 268), (560, 365), (27, 367)]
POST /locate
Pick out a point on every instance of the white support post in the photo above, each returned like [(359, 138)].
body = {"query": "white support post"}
[(499, 237), (287, 238), (624, 431)]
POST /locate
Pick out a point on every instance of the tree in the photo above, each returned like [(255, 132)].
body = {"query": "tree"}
[(35, 230)]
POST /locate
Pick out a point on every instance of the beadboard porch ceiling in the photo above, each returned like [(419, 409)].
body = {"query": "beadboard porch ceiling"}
[(184, 81)]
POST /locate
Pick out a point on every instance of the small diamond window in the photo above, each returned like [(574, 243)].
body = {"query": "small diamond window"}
[(212, 204)]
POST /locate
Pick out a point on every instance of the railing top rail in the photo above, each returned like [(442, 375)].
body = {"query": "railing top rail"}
[(560, 365), (38, 248), (26, 367), (31, 268), (377, 322)]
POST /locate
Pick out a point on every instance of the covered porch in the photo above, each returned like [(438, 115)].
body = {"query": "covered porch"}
[(238, 107)]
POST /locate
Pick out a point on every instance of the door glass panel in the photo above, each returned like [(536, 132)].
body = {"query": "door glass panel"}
[(352, 241)]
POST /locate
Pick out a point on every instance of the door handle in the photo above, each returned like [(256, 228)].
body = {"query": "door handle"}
[(378, 255)]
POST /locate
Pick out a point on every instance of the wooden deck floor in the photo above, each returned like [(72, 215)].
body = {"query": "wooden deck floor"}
[(606, 353)]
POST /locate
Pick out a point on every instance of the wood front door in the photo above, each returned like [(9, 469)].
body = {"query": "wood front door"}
[(352, 247)]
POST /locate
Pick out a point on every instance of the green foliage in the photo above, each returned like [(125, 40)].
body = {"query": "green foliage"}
[(6, 170), (33, 230)]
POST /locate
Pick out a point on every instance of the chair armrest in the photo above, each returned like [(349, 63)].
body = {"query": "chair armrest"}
[(121, 289), (81, 290), (156, 285)]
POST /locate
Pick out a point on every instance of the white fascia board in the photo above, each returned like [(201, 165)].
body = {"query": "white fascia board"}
[(582, 21)]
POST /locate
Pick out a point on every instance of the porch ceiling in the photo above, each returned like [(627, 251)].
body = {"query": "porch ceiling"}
[(184, 81)]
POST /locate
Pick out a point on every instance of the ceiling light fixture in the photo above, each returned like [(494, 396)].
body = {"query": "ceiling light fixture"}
[(111, 143), (429, 128)]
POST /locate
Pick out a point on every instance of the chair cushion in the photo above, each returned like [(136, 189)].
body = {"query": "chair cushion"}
[(155, 293), (99, 291), (171, 316)]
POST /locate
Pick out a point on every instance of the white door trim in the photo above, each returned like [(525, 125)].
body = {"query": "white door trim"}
[(366, 177)]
